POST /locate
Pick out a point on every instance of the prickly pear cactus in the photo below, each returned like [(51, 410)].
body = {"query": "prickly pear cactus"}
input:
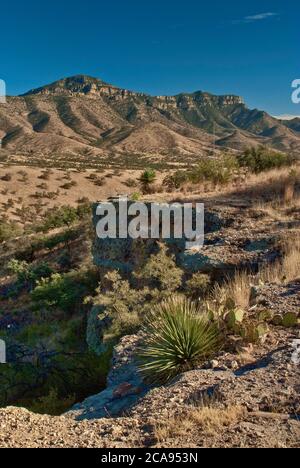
[(235, 317), (229, 304), (265, 316), (290, 319), (254, 332)]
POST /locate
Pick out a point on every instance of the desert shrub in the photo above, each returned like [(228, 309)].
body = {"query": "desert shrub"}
[(176, 180), (178, 338), (263, 159), (43, 186), (197, 285), (45, 194), (22, 173), (286, 268), (234, 292), (45, 175), (160, 272), (52, 403), (92, 176), (69, 185), (29, 273), (130, 183), (24, 177), (136, 196), (84, 210), (63, 291), (67, 175), (64, 260), (41, 270), (61, 238), (126, 302), (217, 171), (10, 203), (99, 181), (204, 418), (7, 177), (58, 217), (9, 230), (83, 200), (35, 333)]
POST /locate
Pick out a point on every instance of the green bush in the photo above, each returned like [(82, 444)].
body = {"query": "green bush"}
[(64, 216), (9, 230), (58, 217), (197, 285), (178, 338), (52, 404), (64, 291), (125, 303), (161, 272), (29, 273), (135, 196), (263, 159), (176, 180), (219, 171)]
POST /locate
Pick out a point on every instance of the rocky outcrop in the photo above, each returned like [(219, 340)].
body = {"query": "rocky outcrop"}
[(232, 241), (267, 390), (124, 385)]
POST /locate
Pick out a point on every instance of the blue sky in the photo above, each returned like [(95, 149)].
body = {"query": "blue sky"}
[(160, 47)]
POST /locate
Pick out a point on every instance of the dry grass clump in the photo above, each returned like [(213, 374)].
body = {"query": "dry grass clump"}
[(286, 269), (236, 289), (206, 419), (285, 196), (276, 187)]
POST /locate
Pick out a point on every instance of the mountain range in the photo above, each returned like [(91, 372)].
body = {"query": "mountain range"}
[(83, 118)]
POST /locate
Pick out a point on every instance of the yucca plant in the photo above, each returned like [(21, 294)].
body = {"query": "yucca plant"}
[(147, 179), (178, 336)]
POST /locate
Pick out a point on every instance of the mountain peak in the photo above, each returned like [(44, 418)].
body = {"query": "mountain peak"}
[(82, 84)]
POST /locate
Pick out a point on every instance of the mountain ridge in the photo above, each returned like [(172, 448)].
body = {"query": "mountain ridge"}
[(85, 117)]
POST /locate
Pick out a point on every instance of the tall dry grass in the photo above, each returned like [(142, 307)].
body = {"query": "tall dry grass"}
[(287, 268), (237, 289), (282, 271), (207, 419), (277, 187), (279, 194)]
